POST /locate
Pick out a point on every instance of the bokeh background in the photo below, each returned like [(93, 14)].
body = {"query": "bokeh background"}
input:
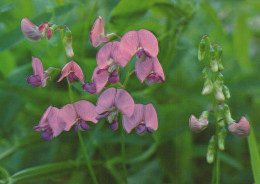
[(172, 154)]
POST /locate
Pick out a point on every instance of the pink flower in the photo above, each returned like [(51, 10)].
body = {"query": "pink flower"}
[(77, 113), (240, 129), (50, 124), (142, 42), (33, 33), (150, 71), (39, 77), (99, 80), (73, 71), (198, 125), (97, 33), (144, 119), (111, 102)]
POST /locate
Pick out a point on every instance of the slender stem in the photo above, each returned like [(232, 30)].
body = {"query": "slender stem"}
[(127, 75), (88, 164), (86, 158), (122, 141)]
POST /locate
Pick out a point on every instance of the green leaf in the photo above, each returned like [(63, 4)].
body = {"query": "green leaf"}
[(254, 155), (7, 62)]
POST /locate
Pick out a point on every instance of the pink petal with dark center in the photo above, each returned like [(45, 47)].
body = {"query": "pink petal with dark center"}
[(130, 123), (72, 67), (86, 111), (148, 41), (143, 69), (30, 31), (124, 102), (37, 67), (106, 100), (150, 117), (97, 33)]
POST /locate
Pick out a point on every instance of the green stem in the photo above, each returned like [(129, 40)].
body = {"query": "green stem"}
[(88, 164), (122, 141), (127, 76), (86, 158)]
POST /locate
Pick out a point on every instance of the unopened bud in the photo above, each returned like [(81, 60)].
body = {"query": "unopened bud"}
[(205, 74), (221, 138), (213, 60), (67, 42), (211, 150), (207, 88), (240, 129), (226, 91), (218, 93), (227, 113), (220, 116), (218, 50), (197, 125), (112, 116), (202, 49)]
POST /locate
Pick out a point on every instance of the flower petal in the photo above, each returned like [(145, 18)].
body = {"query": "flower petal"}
[(129, 44), (34, 80), (119, 56), (55, 121), (100, 78), (157, 68), (106, 100), (43, 121), (130, 123), (30, 31), (124, 102), (104, 55), (148, 41), (68, 115), (97, 33), (86, 110), (143, 69), (150, 117), (37, 67), (72, 67)]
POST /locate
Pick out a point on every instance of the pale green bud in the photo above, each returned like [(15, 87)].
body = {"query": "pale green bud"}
[(226, 91), (207, 88), (213, 60), (202, 49), (221, 138), (228, 117), (67, 42), (111, 116), (211, 150)]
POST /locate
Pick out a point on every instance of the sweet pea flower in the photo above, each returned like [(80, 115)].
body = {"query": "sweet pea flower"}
[(39, 77), (240, 129), (198, 125), (73, 71), (78, 113), (34, 33), (51, 124), (144, 119), (97, 33), (111, 102), (99, 80), (142, 43), (150, 71)]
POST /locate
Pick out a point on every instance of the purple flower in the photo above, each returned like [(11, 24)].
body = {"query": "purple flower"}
[(33, 33), (142, 43), (97, 33), (50, 124), (111, 102), (78, 113), (39, 77), (144, 119), (150, 71), (73, 71), (240, 129)]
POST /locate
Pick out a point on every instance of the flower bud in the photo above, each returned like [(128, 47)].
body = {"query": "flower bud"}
[(197, 125), (218, 50), (67, 42), (213, 60), (202, 49), (207, 88), (211, 150), (220, 116), (226, 91), (112, 116), (240, 129), (227, 114), (221, 138), (205, 74), (218, 93)]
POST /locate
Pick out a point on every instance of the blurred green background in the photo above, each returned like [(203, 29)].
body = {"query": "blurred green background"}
[(172, 154)]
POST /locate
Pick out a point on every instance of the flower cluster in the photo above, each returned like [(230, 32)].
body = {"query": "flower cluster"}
[(111, 57), (214, 86)]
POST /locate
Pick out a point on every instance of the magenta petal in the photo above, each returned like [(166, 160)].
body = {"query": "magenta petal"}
[(148, 41), (72, 67), (124, 102), (43, 121), (130, 123), (86, 111), (30, 31), (143, 69), (55, 121), (37, 67), (104, 56), (106, 100), (100, 79), (150, 117), (68, 115), (129, 44), (157, 68), (97, 33)]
